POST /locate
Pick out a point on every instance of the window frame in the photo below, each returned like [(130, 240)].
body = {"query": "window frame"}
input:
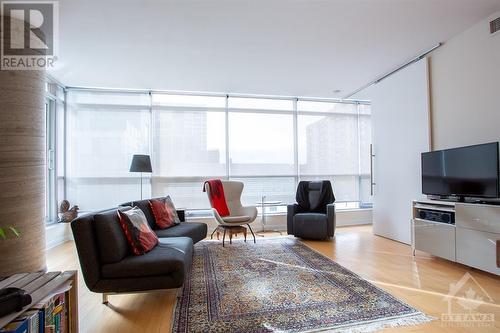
[(227, 110)]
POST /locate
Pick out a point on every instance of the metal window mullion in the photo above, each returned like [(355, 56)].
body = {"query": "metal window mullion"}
[(296, 142), (359, 153), (151, 147), (56, 159), (65, 147), (226, 119)]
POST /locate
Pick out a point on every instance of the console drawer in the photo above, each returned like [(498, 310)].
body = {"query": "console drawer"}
[(478, 249), (435, 238), (478, 217)]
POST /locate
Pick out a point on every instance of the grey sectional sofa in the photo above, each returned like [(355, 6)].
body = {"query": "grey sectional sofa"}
[(108, 266)]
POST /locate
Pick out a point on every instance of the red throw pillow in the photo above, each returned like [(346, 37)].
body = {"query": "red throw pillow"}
[(164, 213), (164, 217), (136, 228)]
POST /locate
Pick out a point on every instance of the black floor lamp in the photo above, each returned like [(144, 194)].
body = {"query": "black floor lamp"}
[(141, 163)]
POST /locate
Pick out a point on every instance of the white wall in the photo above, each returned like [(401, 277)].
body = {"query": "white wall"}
[(465, 88)]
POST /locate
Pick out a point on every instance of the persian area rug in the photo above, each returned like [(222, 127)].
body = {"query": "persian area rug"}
[(281, 285)]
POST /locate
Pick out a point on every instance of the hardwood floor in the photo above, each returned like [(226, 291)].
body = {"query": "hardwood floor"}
[(422, 282)]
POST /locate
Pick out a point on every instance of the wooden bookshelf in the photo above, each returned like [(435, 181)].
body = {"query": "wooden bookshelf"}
[(40, 285)]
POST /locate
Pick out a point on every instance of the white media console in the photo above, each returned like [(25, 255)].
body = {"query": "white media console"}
[(474, 239)]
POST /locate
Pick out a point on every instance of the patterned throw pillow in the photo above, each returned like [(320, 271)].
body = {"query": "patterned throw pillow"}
[(164, 213), (136, 228), (171, 207)]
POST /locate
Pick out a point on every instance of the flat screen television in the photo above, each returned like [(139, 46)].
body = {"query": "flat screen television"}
[(471, 171)]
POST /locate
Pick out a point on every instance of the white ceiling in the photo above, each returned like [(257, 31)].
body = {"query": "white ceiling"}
[(273, 47)]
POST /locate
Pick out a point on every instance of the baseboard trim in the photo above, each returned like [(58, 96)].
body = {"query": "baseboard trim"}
[(56, 234)]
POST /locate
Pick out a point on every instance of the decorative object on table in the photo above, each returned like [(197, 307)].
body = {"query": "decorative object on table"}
[(12, 300), (248, 289), (67, 214), (313, 216), (238, 214), (232, 231), (141, 163)]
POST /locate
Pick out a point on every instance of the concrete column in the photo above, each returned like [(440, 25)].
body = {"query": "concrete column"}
[(22, 170)]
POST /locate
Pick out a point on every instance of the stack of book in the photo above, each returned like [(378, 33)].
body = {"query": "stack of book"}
[(49, 316)]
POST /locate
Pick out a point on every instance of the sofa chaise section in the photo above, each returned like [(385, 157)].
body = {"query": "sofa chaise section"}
[(109, 267)]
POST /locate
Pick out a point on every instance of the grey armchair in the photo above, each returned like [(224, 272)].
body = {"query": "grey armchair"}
[(313, 216)]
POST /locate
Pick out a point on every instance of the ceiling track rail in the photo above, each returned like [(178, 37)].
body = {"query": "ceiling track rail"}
[(394, 71)]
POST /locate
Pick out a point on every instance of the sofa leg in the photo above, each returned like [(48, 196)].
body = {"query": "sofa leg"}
[(105, 299), (223, 237), (251, 232)]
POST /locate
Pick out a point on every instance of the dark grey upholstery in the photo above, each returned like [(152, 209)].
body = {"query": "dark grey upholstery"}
[(168, 257), (112, 242), (196, 231), (109, 267), (311, 225)]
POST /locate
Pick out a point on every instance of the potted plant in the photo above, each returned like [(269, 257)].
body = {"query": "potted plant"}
[(5, 230)]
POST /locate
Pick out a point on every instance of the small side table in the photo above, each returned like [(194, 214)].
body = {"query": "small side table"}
[(263, 204), (232, 230)]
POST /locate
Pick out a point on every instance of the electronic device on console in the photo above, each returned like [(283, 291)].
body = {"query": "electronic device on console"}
[(436, 215)]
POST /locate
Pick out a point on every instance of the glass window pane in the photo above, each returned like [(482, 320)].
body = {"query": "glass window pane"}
[(184, 193), (261, 144), (98, 193), (312, 106), (101, 143), (108, 98), (328, 145), (189, 101), (272, 188), (260, 103), (189, 143)]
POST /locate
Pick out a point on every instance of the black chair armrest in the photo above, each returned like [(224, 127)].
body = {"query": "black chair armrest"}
[(182, 215), (330, 214), (291, 210)]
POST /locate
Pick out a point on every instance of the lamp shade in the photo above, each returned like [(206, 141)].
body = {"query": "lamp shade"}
[(141, 163)]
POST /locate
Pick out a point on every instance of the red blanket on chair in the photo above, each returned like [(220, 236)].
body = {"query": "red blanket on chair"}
[(216, 194)]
